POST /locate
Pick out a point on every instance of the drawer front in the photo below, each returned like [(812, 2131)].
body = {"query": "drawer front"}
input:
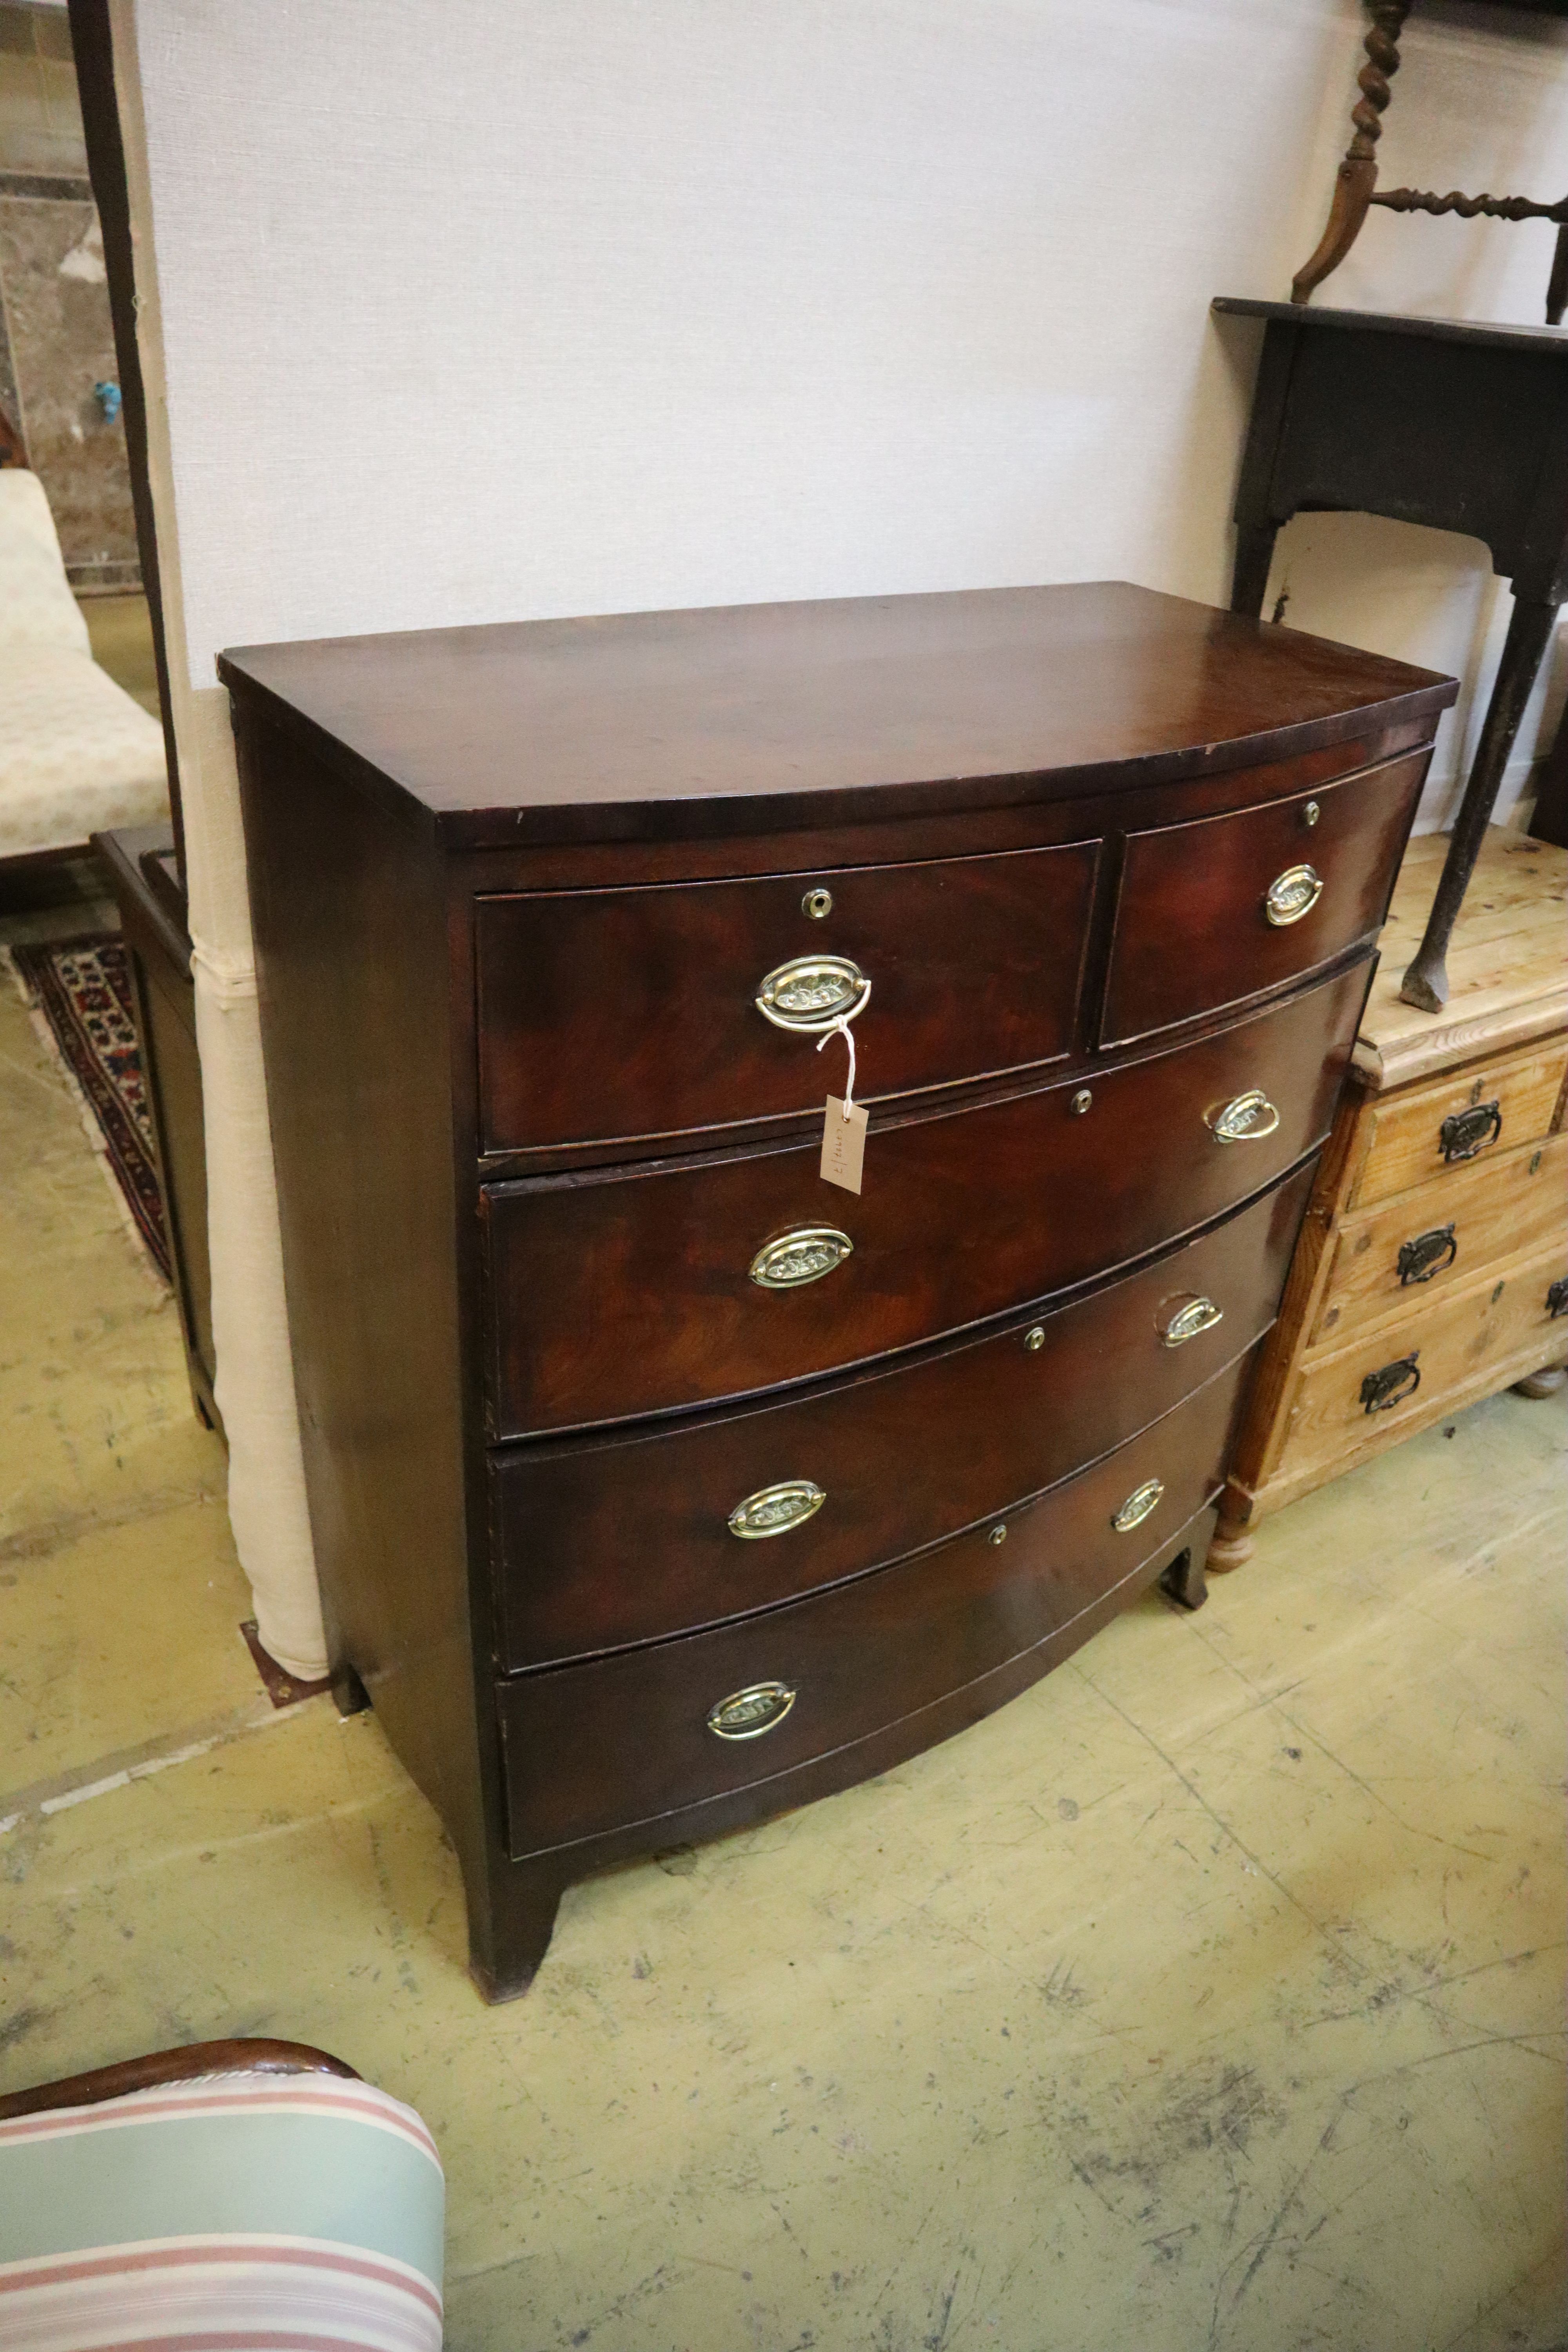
[(1211, 912), (632, 1291), (973, 966), (1428, 1243), (600, 1543), (1401, 1372), (625, 1739), (1467, 1116)]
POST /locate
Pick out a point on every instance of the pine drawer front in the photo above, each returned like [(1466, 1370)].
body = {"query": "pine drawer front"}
[(633, 1292), (1211, 912), (1437, 1239), (1467, 1115), (1402, 1374), (627, 1017), (602, 1543), (835, 1668)]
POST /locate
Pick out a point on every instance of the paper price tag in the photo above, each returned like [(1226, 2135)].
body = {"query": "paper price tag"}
[(843, 1145)]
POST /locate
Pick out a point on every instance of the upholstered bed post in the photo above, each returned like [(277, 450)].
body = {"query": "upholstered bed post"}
[(255, 1384)]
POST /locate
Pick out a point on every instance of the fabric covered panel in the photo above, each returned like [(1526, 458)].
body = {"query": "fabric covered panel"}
[(255, 1385), (307, 2211), (264, 2294), (37, 607), (77, 754)]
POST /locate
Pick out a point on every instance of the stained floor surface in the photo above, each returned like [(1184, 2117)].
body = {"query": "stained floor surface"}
[(1205, 1997)]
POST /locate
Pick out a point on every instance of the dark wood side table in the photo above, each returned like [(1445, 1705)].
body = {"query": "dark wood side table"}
[(145, 880), (1434, 421)]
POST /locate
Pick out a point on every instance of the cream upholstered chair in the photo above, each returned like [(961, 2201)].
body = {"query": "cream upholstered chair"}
[(77, 754)]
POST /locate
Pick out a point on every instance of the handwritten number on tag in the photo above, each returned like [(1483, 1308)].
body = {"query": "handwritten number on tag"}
[(843, 1144), (844, 1136)]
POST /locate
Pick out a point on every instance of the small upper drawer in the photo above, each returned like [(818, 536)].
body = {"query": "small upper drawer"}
[(1476, 1113), (621, 1292), (1213, 911), (617, 1016), (601, 1542)]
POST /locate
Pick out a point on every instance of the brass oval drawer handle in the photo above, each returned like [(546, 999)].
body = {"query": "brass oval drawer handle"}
[(1245, 1119), (1465, 1132), (1197, 1315), (1138, 1505), (809, 994), (774, 1510), (799, 1257), (747, 1714), (1392, 1384), (1426, 1255), (1557, 1297), (1292, 895)]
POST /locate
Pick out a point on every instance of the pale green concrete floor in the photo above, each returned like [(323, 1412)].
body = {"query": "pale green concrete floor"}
[(1207, 1997)]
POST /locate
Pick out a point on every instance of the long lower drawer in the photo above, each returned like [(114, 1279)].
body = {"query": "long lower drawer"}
[(1401, 1371), (601, 1542), (1429, 1242), (628, 1291), (625, 1740)]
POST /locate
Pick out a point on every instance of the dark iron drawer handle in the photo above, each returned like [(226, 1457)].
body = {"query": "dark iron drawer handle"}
[(1557, 1297), (1382, 1391), (1427, 1256), (1465, 1132), (747, 1714)]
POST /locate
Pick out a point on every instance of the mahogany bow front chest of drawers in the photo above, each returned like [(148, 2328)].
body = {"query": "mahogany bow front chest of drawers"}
[(657, 1484)]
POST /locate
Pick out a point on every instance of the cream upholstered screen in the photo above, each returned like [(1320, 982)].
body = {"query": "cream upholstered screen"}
[(255, 1384), (77, 754)]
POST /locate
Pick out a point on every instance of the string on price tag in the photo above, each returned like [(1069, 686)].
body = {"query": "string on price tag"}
[(844, 1135)]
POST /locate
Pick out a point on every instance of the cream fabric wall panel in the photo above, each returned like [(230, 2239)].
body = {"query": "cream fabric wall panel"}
[(254, 1386)]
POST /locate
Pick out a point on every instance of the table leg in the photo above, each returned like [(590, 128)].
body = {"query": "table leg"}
[(1557, 284), (1426, 984), (1550, 821), (1253, 554)]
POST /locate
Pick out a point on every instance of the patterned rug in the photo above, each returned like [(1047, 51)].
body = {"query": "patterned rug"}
[(83, 990)]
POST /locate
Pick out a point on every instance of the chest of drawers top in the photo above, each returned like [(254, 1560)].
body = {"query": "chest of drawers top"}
[(738, 718)]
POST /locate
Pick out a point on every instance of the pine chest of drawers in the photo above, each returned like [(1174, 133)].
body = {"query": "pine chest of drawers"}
[(1433, 1265), (657, 1484)]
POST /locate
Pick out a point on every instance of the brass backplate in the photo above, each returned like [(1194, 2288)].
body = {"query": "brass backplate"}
[(1138, 1505), (809, 994), (1194, 1315), (1292, 895), (747, 1714), (799, 1257), (1245, 1119), (774, 1510)]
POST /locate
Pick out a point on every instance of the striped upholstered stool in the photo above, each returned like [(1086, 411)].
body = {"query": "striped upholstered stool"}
[(242, 2208)]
